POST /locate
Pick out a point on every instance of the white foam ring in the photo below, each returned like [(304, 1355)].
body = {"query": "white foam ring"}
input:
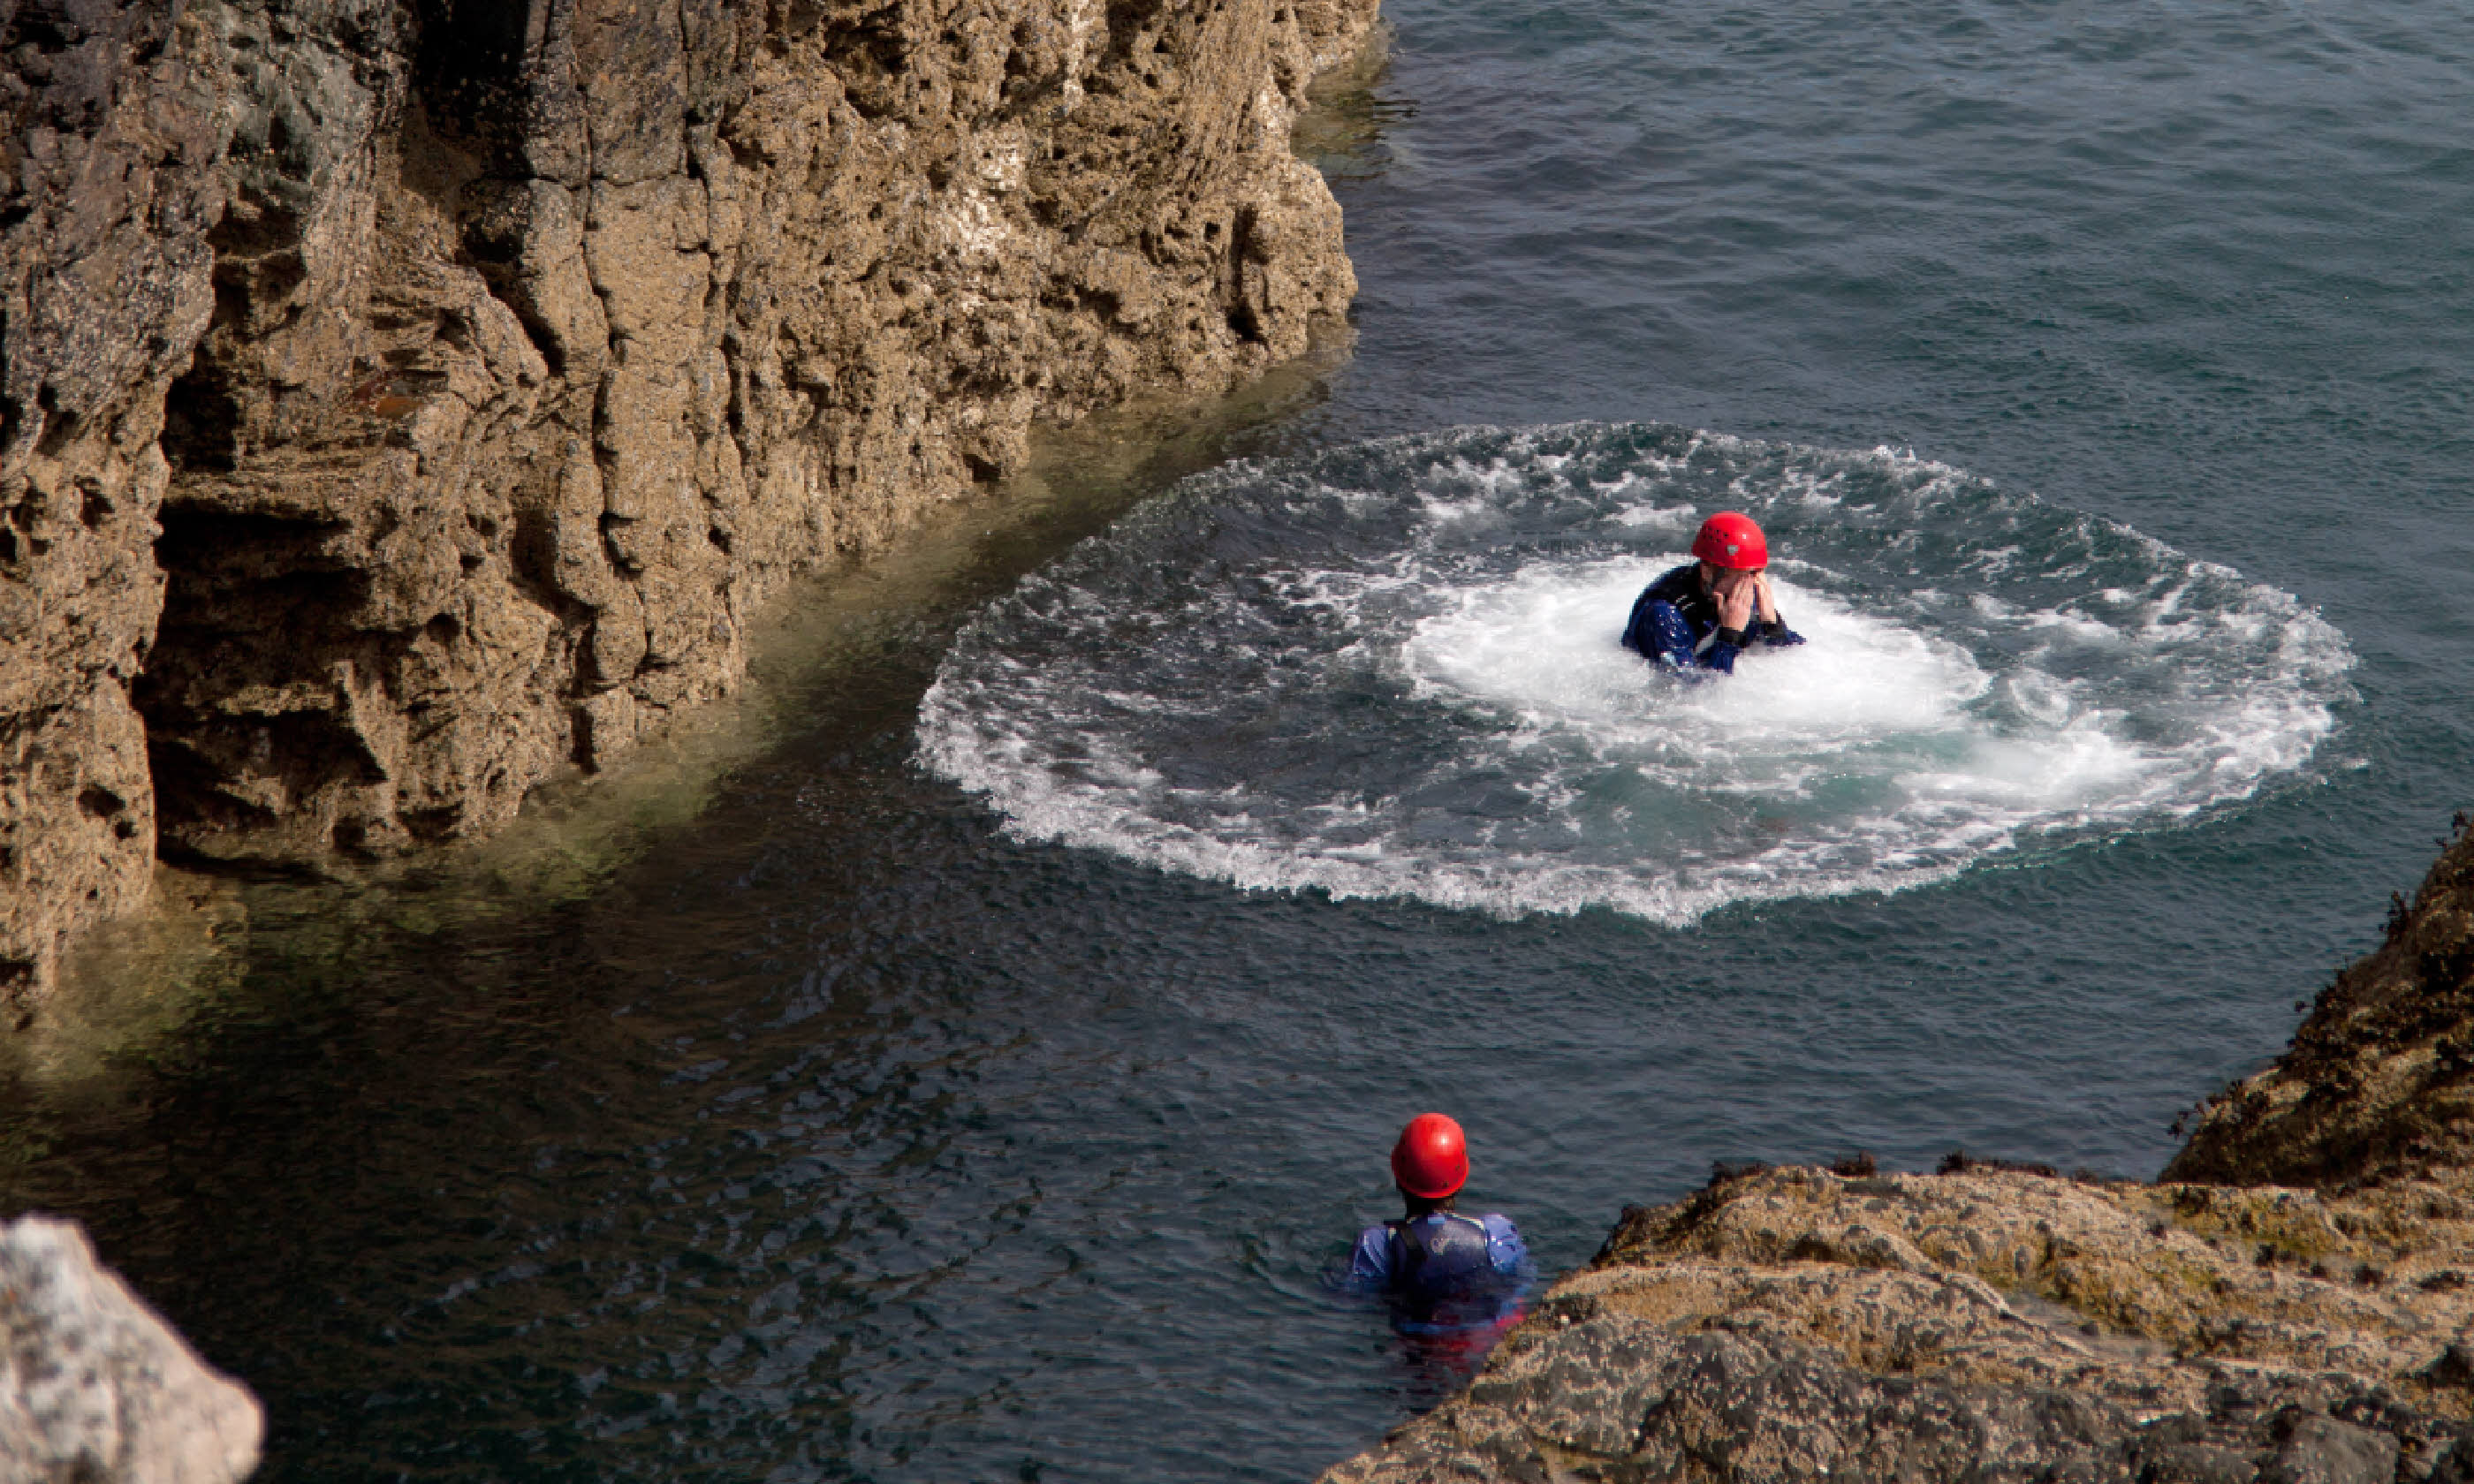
[(1393, 671)]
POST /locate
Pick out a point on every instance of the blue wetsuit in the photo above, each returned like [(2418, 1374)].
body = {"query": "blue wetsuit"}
[(1443, 1272), (1676, 623)]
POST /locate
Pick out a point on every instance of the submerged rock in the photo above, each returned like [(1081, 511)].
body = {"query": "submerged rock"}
[(94, 1387), (1992, 1323)]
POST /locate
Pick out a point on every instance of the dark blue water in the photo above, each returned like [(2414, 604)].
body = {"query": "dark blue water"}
[(825, 1131)]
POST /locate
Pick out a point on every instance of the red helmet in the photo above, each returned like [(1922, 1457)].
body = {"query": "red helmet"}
[(1431, 1160), (1730, 538)]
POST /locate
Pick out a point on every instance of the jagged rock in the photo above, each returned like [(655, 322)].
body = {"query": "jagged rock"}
[(1991, 1323), (1793, 1323), (109, 179), (95, 1388), (2379, 1085), (535, 342)]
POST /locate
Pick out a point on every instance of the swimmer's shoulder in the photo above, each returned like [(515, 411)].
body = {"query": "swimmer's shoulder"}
[(1675, 584)]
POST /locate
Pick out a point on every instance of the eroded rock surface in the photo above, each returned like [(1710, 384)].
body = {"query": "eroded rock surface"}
[(505, 355), (95, 1388), (1996, 1323), (108, 181)]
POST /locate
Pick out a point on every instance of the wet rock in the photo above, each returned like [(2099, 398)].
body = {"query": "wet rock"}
[(507, 356), (95, 1388)]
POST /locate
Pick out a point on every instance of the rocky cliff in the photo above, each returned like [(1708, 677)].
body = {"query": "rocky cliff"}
[(1992, 1323), (406, 399)]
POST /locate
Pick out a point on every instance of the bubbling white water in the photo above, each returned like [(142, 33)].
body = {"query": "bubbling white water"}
[(1394, 671), (1543, 644)]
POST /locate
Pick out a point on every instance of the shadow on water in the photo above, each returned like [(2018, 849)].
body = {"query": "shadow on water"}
[(844, 654), (311, 1120)]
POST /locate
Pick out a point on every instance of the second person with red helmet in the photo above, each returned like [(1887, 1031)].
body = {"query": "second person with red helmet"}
[(1702, 614), (1445, 1273)]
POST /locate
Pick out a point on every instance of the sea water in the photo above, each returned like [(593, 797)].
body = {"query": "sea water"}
[(1396, 670), (975, 1085)]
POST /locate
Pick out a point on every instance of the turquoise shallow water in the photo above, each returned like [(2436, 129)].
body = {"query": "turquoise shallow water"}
[(841, 1135)]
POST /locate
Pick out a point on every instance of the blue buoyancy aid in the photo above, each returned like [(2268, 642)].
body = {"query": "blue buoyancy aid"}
[(1439, 1255)]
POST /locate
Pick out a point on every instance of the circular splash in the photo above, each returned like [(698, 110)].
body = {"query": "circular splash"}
[(1393, 670)]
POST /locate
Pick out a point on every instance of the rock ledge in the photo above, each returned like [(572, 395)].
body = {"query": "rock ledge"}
[(2002, 1322)]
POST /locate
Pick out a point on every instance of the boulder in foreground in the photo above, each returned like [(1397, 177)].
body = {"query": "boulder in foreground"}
[(94, 1387)]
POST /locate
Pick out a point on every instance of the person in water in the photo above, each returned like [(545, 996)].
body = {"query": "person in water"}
[(1703, 613), (1445, 1273)]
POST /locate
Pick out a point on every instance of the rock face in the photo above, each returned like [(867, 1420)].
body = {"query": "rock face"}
[(485, 363), (108, 169), (2002, 1322), (95, 1389)]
